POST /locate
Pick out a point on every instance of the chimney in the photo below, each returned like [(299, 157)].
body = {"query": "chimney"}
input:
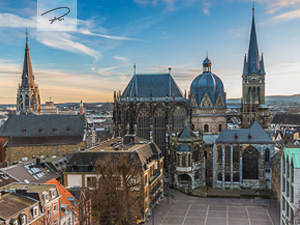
[(38, 162)]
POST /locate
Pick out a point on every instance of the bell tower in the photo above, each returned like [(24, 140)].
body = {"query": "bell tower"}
[(253, 99), (28, 97)]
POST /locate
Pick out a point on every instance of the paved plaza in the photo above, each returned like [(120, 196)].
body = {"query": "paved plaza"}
[(184, 209), (200, 214)]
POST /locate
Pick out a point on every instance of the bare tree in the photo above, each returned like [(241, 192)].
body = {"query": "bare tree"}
[(118, 195)]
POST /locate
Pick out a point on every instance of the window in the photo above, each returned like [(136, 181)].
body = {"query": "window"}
[(23, 220), (15, 222), (35, 211), (292, 194), (160, 128), (250, 163), (143, 122), (52, 193), (48, 211), (236, 155), (178, 119), (227, 154), (91, 181), (267, 155), (183, 163), (206, 128), (220, 127), (283, 185), (146, 179), (219, 153), (55, 207), (46, 197), (75, 217)]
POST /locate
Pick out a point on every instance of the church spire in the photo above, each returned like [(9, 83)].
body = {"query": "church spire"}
[(27, 75), (253, 54)]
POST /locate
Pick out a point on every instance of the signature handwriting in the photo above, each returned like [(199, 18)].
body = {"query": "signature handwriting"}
[(57, 18)]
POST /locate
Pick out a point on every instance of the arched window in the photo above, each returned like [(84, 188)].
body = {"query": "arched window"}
[(206, 128), (178, 119), (250, 163), (143, 126), (220, 127), (160, 128), (236, 155), (219, 153), (267, 155), (227, 155)]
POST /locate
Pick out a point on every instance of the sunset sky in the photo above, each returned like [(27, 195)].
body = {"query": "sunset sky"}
[(112, 35)]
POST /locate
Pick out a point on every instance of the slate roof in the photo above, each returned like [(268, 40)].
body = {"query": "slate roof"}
[(43, 129), (5, 178), (140, 153), (184, 148), (293, 119), (11, 204), (27, 75), (293, 153), (257, 133), (186, 133), (141, 85)]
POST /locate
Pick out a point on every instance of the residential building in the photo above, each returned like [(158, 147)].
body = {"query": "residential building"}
[(19, 210), (46, 195), (242, 158), (290, 186), (81, 169), (69, 206)]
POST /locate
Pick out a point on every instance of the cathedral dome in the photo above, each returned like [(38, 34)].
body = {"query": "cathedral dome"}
[(208, 84)]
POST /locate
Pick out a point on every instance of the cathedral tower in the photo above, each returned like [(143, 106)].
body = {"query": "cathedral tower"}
[(28, 97), (253, 100)]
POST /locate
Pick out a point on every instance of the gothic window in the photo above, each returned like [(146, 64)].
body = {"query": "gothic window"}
[(220, 127), (253, 89), (143, 123), (258, 93), (250, 163), (220, 176), (219, 153), (178, 119), (267, 155), (183, 162), (124, 115), (160, 128), (227, 155), (26, 101), (227, 177), (206, 128), (236, 155), (236, 177)]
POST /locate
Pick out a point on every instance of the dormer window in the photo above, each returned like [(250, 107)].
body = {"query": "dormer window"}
[(54, 129), (250, 136), (22, 219), (35, 211), (236, 136), (46, 197)]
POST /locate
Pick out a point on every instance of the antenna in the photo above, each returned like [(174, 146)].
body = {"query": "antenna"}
[(134, 69), (253, 8), (26, 35), (206, 54)]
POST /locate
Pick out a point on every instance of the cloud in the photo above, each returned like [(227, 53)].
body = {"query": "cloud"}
[(13, 21), (107, 71), (120, 58), (276, 5), (295, 14), (64, 41), (170, 3), (206, 7), (88, 32)]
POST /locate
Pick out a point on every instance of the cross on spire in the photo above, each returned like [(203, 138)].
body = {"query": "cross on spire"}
[(26, 35)]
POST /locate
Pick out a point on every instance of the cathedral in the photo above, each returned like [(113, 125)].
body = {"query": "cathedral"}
[(153, 107), (28, 97)]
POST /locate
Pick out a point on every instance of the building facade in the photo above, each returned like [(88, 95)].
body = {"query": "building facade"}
[(151, 107), (28, 97), (290, 187), (242, 159), (188, 162), (207, 102), (82, 172)]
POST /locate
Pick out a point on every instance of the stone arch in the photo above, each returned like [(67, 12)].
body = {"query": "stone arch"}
[(184, 178), (250, 163)]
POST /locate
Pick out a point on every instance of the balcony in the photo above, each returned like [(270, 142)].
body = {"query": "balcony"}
[(153, 178)]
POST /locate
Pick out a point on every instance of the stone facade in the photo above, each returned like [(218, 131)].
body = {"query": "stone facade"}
[(187, 161), (17, 153)]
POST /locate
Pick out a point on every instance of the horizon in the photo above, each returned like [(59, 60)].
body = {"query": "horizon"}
[(98, 58)]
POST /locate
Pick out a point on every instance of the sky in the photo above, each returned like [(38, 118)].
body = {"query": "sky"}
[(113, 35)]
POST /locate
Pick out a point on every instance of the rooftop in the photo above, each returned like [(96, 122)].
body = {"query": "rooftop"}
[(32, 187), (293, 153)]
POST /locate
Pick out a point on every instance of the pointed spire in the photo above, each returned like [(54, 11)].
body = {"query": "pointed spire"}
[(27, 75), (262, 65), (253, 54), (245, 71)]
